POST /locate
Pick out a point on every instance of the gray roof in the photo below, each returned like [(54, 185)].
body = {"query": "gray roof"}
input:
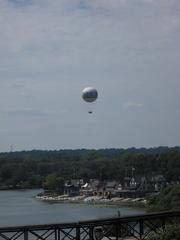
[(111, 184)]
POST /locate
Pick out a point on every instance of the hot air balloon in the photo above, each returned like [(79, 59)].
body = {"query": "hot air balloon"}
[(89, 95)]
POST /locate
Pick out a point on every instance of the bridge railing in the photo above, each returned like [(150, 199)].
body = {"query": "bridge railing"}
[(132, 227)]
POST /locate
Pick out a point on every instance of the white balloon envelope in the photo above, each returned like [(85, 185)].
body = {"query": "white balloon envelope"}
[(89, 94)]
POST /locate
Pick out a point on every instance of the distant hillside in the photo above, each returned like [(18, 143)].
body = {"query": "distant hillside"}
[(105, 151), (29, 168)]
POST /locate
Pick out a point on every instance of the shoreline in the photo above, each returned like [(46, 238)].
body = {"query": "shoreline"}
[(94, 200)]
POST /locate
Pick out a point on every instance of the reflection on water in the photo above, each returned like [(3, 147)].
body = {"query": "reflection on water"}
[(21, 208)]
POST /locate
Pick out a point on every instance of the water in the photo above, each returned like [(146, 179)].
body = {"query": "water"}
[(21, 208)]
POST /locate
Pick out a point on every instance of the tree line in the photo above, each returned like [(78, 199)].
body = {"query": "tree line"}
[(29, 169)]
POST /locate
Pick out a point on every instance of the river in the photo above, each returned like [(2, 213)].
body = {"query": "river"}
[(22, 208)]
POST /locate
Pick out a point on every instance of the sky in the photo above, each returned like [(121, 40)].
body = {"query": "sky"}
[(50, 50)]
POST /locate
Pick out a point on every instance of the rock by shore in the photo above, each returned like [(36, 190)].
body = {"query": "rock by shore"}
[(140, 202)]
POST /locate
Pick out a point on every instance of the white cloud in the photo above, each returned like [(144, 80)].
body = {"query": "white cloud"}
[(132, 104)]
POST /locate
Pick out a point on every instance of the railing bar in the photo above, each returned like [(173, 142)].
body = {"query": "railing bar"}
[(20, 234), (77, 233), (26, 235), (35, 234), (83, 231), (67, 234), (147, 233), (95, 222), (152, 226), (59, 236), (52, 231), (14, 235), (45, 233), (132, 228), (141, 226), (84, 237), (55, 234), (127, 230), (91, 237), (4, 236), (109, 229)]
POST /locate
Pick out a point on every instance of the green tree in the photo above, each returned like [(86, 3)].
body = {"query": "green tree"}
[(169, 232), (168, 199), (53, 182)]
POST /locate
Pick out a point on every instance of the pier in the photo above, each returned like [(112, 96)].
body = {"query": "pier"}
[(120, 228)]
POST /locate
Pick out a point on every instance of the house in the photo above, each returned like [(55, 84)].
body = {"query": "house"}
[(110, 188), (72, 187), (158, 182), (86, 190), (130, 183), (93, 187), (127, 181), (145, 185), (97, 187)]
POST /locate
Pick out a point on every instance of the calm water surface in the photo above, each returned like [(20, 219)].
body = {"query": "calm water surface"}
[(21, 208)]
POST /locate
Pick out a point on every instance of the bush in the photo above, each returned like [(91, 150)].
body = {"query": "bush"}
[(169, 232), (168, 199)]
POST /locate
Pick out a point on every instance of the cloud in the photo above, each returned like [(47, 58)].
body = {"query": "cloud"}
[(132, 104), (50, 50), (48, 36), (26, 112), (16, 86), (26, 95)]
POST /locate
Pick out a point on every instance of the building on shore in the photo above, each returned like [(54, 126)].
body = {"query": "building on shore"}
[(131, 187)]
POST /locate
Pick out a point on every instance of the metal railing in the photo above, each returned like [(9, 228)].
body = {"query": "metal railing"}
[(132, 227)]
